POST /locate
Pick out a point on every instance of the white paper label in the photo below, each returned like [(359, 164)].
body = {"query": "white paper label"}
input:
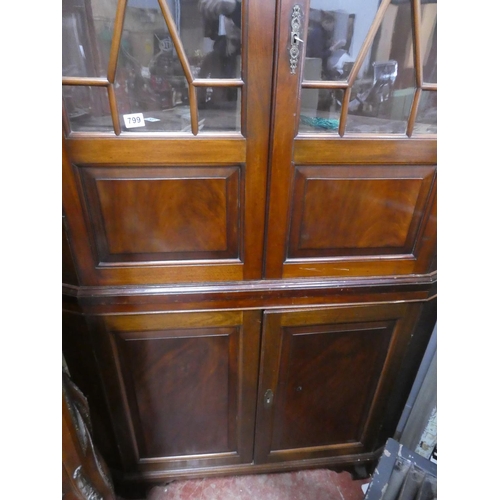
[(134, 120)]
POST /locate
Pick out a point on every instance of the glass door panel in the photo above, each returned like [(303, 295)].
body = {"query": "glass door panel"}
[(359, 72), (353, 164), (168, 65), (165, 165), (383, 91)]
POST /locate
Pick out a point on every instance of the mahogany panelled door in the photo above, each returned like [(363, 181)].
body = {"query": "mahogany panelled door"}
[(328, 372), (353, 164), (182, 198), (182, 386), (166, 141)]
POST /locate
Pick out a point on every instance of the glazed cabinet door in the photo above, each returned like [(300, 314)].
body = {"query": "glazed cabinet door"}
[(166, 116), (353, 150), (325, 378), (180, 387)]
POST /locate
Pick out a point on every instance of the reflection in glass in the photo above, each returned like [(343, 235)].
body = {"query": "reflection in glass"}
[(87, 28), (87, 108), (219, 109), (214, 50), (150, 78), (383, 91), (336, 31), (428, 39), (426, 120)]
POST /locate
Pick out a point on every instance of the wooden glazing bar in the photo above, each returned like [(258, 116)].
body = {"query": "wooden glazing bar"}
[(115, 41), (218, 82), (115, 117), (322, 84), (85, 81), (430, 86), (417, 58), (417, 49), (176, 39), (244, 66), (344, 111), (193, 107), (368, 41), (413, 112)]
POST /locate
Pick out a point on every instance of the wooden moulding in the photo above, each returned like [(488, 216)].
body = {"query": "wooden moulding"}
[(262, 294)]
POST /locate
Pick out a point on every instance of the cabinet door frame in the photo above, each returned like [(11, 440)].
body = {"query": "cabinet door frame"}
[(121, 397), (292, 152), (403, 317), (247, 152)]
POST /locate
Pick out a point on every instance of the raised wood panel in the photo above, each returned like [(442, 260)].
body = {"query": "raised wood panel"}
[(327, 378), (330, 371), (163, 213), (357, 210), (181, 387)]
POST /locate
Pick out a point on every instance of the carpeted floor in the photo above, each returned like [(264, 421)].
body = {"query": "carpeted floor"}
[(318, 484)]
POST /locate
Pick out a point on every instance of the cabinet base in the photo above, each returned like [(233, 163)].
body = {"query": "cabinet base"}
[(135, 486)]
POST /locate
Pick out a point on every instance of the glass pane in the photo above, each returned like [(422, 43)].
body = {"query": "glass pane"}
[(426, 120), (336, 31), (211, 35), (219, 109), (383, 91), (428, 39), (87, 108), (150, 79), (320, 110), (87, 28)]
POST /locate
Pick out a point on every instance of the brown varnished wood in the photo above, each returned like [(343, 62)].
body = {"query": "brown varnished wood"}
[(113, 106), (154, 151), (352, 353), (253, 295), (383, 220), (365, 150), (340, 463), (178, 388), (181, 386), (221, 149), (387, 203), (286, 91), (404, 189), (417, 55), (257, 65), (333, 367), (69, 275), (163, 214), (116, 39), (183, 243), (86, 256), (382, 223), (91, 81)]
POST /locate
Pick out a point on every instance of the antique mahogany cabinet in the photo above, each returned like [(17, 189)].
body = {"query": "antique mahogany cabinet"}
[(249, 228)]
